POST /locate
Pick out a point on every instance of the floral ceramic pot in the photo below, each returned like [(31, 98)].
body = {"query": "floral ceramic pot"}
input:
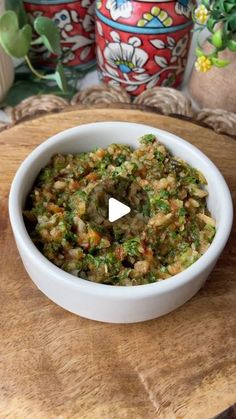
[(75, 20), (142, 44)]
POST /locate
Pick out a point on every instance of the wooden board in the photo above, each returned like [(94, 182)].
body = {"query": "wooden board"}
[(54, 364)]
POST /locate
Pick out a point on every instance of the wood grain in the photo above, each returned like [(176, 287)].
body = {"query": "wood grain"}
[(54, 364)]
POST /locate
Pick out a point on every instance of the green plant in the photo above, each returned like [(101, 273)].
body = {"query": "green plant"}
[(219, 17), (17, 36)]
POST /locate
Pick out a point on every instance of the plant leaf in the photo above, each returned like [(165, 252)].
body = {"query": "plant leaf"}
[(18, 7), (59, 77), (219, 63), (206, 3), (229, 7), (199, 52), (49, 33), (26, 87), (210, 24), (20, 91), (15, 41), (232, 23), (216, 39), (231, 45)]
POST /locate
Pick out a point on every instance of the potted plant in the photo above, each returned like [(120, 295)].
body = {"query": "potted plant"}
[(213, 80)]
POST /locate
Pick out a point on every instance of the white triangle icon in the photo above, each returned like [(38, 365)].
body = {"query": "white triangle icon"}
[(116, 209)]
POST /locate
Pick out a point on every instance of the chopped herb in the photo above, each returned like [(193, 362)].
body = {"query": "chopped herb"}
[(131, 247), (80, 194), (147, 139), (182, 212), (162, 205), (151, 277), (164, 194), (120, 159), (190, 179), (46, 174), (159, 156)]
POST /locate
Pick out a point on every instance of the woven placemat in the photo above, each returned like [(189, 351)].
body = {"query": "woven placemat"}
[(162, 100)]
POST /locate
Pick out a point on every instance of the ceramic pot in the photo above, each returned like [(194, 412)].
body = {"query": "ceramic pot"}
[(142, 44), (6, 67), (75, 20), (217, 86)]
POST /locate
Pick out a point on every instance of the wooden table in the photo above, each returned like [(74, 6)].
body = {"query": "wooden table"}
[(54, 364)]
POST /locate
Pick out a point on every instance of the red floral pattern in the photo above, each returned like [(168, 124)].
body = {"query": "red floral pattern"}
[(142, 44)]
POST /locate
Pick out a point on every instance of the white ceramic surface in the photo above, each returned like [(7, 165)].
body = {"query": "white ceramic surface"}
[(112, 303)]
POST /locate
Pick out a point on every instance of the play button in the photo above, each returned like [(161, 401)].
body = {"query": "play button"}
[(116, 210)]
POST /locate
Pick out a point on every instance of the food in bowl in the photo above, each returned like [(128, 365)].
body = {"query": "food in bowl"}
[(99, 301), (66, 214)]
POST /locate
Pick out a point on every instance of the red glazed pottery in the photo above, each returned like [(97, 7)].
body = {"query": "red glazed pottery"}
[(75, 20), (142, 44)]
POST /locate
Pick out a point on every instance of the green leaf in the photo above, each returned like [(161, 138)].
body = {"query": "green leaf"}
[(20, 91), (206, 3), (219, 63), (17, 6), (231, 45), (199, 52), (216, 39), (15, 41), (211, 23), (26, 85), (49, 34), (229, 6), (221, 4), (232, 23), (59, 77)]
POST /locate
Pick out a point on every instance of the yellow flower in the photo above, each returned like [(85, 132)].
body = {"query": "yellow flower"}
[(203, 64), (201, 14)]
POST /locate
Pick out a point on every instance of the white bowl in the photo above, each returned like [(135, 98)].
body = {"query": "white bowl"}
[(105, 302)]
